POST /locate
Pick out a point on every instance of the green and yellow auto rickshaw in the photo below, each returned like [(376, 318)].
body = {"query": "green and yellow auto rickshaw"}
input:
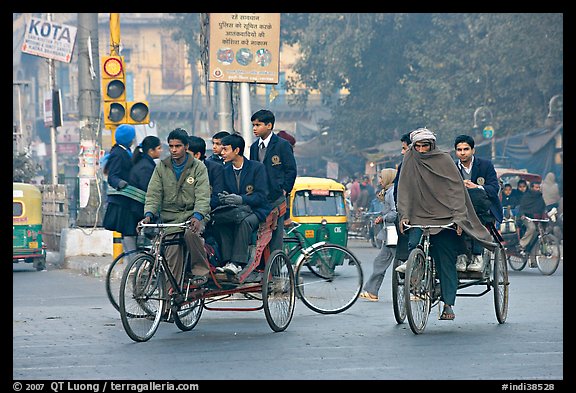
[(27, 244), (318, 213)]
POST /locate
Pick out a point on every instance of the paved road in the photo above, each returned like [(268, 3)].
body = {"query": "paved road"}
[(64, 328)]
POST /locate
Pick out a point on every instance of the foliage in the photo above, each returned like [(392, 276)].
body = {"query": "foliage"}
[(407, 70), (24, 168)]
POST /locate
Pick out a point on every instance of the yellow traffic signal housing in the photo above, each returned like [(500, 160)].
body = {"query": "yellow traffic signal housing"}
[(113, 78), (138, 112), (114, 113)]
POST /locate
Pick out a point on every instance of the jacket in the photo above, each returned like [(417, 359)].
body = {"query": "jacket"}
[(280, 166), (140, 175), (253, 186), (177, 200), (483, 168)]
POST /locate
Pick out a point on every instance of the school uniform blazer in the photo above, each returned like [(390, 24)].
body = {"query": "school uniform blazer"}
[(280, 166), (483, 168), (215, 173), (253, 186)]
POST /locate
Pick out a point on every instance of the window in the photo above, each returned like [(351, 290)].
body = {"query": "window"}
[(172, 65), (17, 209), (325, 203)]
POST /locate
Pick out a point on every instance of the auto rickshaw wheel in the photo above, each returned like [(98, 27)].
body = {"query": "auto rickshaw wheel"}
[(39, 264)]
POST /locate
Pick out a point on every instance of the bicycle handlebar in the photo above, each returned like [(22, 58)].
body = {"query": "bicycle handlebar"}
[(537, 219), (445, 226), (293, 226), (165, 225)]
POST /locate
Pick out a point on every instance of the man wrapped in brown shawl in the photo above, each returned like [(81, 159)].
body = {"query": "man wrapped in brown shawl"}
[(431, 191)]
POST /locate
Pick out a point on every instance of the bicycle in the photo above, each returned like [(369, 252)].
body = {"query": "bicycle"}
[(422, 286), (145, 302), (115, 270), (543, 251), (328, 276)]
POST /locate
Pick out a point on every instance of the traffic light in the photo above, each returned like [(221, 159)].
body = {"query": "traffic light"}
[(138, 112), (114, 113), (114, 90)]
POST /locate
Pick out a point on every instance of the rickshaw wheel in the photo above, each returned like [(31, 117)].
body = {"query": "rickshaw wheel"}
[(40, 263), (398, 300), (278, 292), (336, 281), (188, 314), (500, 283)]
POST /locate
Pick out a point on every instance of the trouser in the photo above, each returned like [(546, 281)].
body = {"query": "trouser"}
[(444, 252), (175, 255), (278, 234), (128, 243), (529, 234), (414, 235), (236, 239), (380, 265)]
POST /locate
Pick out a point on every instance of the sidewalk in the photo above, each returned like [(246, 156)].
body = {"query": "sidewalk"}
[(95, 266)]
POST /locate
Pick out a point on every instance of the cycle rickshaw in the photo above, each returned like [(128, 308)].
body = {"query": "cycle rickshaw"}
[(543, 251), (417, 291), (144, 297)]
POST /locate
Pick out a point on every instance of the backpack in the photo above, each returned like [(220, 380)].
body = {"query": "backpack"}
[(481, 204)]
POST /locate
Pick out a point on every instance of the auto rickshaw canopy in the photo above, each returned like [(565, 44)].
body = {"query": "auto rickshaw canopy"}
[(26, 204)]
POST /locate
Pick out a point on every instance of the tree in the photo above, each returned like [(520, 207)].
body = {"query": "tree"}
[(408, 70), (24, 168)]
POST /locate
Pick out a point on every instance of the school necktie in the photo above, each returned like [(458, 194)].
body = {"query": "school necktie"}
[(261, 152)]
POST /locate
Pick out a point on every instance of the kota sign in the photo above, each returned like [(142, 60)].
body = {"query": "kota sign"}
[(244, 48), (49, 39)]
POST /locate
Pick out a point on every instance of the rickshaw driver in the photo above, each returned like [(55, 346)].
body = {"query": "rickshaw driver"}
[(179, 190), (431, 192)]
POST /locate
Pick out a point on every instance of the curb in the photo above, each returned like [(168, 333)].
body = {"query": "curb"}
[(88, 265)]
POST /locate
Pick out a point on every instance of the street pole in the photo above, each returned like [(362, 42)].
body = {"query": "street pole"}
[(89, 113), (246, 124), (52, 79), (225, 122), (20, 134)]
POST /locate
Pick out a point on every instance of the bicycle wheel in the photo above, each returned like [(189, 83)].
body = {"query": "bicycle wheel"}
[(418, 287), (398, 299), (546, 253), (188, 314), (278, 294), (500, 283), (335, 282), (114, 275), (517, 262), (141, 298)]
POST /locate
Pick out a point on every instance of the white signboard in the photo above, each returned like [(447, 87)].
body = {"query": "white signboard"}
[(49, 39)]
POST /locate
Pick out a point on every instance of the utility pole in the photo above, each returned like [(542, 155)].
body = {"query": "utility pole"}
[(245, 123), (20, 142), (52, 80), (91, 207), (225, 122)]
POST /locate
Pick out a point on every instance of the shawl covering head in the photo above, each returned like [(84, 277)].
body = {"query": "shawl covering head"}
[(387, 176), (431, 192)]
